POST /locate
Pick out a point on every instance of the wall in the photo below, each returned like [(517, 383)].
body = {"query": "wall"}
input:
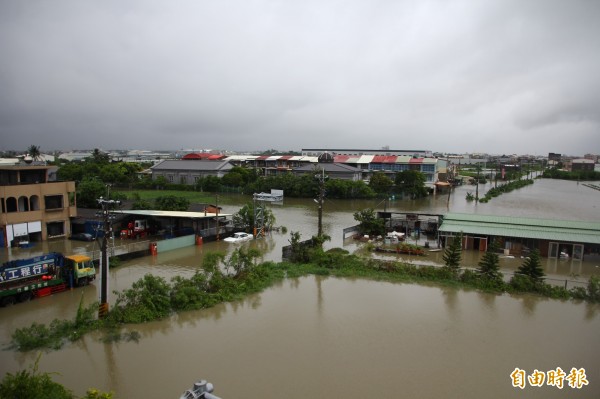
[(175, 243)]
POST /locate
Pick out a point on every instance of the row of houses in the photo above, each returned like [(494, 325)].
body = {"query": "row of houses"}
[(36, 207), (191, 168)]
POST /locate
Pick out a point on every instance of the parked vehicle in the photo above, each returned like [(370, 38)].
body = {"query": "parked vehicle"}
[(135, 229), (239, 237), (82, 237), (24, 279)]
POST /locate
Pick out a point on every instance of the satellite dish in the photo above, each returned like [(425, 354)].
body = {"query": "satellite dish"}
[(28, 159)]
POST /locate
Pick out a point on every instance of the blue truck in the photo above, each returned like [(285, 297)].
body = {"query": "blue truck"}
[(25, 279)]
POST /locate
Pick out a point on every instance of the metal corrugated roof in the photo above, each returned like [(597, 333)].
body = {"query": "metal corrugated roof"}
[(192, 164), (403, 159), (506, 226), (365, 159), (174, 214), (340, 158)]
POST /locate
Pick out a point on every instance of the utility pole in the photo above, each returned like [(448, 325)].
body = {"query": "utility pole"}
[(321, 178), (258, 229), (477, 183), (107, 215), (217, 213)]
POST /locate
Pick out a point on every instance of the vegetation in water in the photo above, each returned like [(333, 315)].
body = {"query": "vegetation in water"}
[(369, 223), (31, 383), (580, 175), (244, 218), (225, 279), (505, 188), (54, 335)]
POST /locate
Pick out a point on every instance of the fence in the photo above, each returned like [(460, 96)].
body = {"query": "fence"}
[(137, 246)]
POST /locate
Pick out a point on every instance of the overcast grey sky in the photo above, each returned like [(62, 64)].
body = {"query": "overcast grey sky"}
[(496, 76)]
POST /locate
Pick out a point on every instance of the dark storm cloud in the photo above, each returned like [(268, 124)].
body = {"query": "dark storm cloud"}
[(493, 76)]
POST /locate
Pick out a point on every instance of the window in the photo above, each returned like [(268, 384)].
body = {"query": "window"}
[(55, 229), (53, 202)]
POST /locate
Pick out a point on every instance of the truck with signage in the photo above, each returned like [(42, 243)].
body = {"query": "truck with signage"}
[(25, 279)]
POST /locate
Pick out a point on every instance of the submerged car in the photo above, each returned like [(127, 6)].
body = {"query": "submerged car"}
[(239, 237), (82, 237)]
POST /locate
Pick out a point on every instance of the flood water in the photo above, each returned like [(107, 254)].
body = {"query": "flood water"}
[(327, 337)]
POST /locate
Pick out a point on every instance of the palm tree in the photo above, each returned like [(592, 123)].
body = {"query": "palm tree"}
[(34, 152)]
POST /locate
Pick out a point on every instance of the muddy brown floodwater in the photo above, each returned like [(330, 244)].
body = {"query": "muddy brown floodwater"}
[(328, 337)]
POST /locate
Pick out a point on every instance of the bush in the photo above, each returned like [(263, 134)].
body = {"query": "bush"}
[(593, 288), (148, 299), (523, 283), (31, 383)]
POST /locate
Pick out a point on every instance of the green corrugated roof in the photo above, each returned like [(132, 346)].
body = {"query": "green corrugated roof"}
[(506, 226)]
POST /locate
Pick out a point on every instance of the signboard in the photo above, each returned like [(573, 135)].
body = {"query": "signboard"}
[(20, 272)]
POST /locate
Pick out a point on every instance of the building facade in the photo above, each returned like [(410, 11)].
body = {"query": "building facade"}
[(315, 152), (189, 171), (35, 206), (581, 165)]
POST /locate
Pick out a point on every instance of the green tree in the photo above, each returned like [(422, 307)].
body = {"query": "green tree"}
[(369, 223), (347, 189), (532, 267), (160, 182), (452, 254), (209, 183), (293, 186), (112, 173), (71, 171), (300, 252), (171, 203), (242, 261), (148, 299), (380, 183), (244, 218), (246, 175), (411, 183), (489, 265), (140, 203), (233, 179), (89, 191), (34, 152), (99, 157)]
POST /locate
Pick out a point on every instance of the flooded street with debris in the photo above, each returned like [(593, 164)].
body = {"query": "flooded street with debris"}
[(329, 337)]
